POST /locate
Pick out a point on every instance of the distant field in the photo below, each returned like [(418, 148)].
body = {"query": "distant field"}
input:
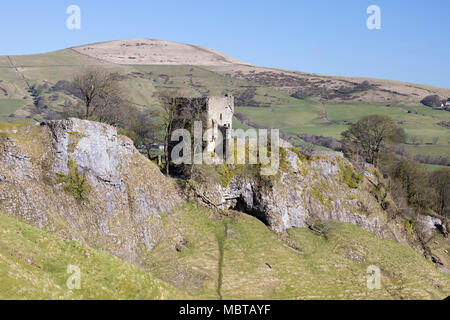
[(433, 167), (4, 61), (59, 58), (239, 125), (9, 106), (354, 112), (431, 150), (426, 111), (319, 130), (332, 119), (288, 112)]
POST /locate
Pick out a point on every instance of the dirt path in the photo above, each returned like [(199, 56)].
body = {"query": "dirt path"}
[(221, 244)]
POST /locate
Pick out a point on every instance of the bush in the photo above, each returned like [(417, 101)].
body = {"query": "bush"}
[(226, 174), (74, 182), (350, 178)]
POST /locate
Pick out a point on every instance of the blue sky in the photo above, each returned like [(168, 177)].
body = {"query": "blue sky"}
[(321, 36)]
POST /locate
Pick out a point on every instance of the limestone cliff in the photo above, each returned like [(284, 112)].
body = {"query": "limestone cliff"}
[(83, 181), (323, 188)]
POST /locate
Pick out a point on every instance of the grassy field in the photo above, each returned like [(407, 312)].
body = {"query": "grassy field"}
[(332, 119), (10, 106), (432, 167), (260, 265)]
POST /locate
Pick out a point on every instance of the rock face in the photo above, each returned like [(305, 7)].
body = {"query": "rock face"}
[(327, 187), (81, 180)]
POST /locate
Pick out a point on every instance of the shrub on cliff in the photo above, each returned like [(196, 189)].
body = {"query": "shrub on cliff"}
[(74, 182)]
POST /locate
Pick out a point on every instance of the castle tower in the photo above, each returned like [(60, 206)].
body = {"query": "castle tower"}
[(215, 112), (219, 111)]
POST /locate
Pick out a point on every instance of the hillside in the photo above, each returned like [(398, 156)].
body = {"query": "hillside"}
[(256, 264), (155, 52), (33, 265), (72, 190), (32, 88)]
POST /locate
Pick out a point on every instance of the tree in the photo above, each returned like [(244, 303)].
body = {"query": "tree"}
[(372, 135), (114, 109), (168, 102), (98, 88), (433, 101), (144, 129), (440, 181), (415, 182)]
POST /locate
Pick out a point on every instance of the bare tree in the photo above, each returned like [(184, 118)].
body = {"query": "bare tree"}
[(168, 102), (98, 88), (113, 108), (145, 129), (372, 135)]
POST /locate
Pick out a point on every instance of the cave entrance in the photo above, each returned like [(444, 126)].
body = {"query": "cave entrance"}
[(243, 206)]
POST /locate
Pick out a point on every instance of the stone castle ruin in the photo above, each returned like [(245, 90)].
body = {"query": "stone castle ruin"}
[(215, 112)]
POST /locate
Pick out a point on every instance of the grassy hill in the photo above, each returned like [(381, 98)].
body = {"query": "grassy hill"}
[(231, 257), (33, 265), (269, 97)]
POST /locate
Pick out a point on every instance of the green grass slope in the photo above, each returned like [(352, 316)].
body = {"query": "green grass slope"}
[(238, 257), (306, 266), (232, 256), (33, 265)]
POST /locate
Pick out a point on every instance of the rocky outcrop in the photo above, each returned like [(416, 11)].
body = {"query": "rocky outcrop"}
[(83, 181), (326, 187)]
